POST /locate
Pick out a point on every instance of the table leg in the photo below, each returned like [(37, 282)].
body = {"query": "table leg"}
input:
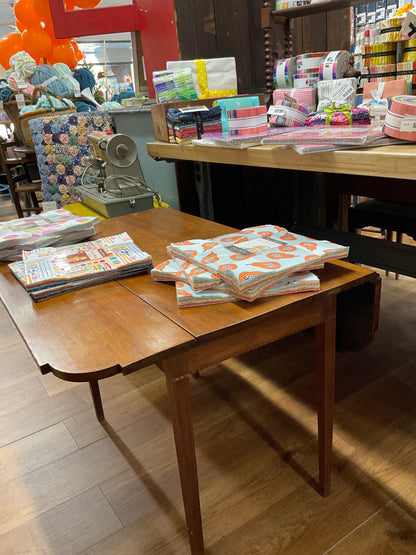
[(180, 406), (96, 399), (325, 367)]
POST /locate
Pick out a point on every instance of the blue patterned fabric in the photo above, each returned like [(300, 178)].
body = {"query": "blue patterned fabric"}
[(62, 151)]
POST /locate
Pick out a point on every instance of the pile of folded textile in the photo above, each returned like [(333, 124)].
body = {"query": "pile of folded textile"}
[(186, 125), (255, 262)]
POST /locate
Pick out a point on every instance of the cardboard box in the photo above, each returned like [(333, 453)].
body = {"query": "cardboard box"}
[(159, 112)]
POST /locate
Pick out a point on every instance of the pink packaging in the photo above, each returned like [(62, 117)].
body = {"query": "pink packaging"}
[(303, 95)]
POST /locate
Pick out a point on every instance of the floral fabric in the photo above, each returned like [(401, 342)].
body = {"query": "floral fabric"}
[(62, 151)]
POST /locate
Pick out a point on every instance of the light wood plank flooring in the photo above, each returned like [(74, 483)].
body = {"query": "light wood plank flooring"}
[(69, 485)]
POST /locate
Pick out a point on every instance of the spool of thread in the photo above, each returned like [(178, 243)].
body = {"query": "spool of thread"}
[(400, 121), (334, 65), (283, 73), (407, 70), (381, 74), (380, 54), (409, 50), (390, 30)]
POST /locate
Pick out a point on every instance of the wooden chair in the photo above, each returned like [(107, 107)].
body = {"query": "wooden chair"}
[(388, 216), (19, 179)]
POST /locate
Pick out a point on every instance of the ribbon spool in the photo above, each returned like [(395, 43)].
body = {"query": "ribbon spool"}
[(283, 73), (334, 65), (400, 121)]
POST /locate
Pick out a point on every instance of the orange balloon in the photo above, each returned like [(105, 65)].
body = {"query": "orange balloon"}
[(42, 7), (86, 4), (20, 27), (9, 45), (61, 51), (69, 6), (25, 11), (36, 41)]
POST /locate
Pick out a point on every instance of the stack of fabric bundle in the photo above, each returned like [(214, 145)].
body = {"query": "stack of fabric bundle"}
[(51, 271), (57, 227), (253, 263), (184, 125)]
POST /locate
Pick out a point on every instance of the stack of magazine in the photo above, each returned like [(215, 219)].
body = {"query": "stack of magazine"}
[(54, 228), (50, 271), (253, 263)]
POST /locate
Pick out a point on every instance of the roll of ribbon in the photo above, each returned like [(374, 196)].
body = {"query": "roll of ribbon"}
[(334, 65), (283, 73), (309, 81), (400, 119), (309, 61)]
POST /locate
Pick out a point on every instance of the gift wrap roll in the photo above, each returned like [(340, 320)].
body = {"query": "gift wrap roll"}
[(334, 65), (309, 61), (283, 73), (407, 70), (400, 119)]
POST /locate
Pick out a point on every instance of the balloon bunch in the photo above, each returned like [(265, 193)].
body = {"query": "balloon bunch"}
[(36, 35)]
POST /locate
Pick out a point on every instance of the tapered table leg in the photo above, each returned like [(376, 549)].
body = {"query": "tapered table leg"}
[(325, 367), (180, 405), (96, 399)]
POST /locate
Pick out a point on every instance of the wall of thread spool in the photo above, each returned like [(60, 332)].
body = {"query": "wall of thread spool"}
[(381, 51)]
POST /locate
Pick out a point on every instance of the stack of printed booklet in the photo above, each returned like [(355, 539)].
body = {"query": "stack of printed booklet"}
[(50, 271), (57, 227), (255, 262)]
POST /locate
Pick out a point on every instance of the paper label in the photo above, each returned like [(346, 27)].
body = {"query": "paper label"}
[(48, 205), (20, 101), (408, 124), (193, 109)]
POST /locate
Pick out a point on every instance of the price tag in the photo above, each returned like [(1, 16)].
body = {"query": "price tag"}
[(20, 100)]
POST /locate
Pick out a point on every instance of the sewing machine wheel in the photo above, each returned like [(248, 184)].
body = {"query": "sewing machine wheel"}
[(94, 175)]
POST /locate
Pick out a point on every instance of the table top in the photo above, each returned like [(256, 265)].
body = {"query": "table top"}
[(124, 325), (395, 161)]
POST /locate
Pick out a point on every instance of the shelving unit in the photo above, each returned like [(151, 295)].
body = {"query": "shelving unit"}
[(270, 17)]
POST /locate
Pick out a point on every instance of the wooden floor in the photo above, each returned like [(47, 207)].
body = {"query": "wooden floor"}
[(69, 485)]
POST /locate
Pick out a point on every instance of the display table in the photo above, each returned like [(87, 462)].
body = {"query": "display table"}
[(125, 325), (392, 168)]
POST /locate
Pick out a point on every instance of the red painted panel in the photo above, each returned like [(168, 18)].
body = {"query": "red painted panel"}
[(159, 38), (155, 19)]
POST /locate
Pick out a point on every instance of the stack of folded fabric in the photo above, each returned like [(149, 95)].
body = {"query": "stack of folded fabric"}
[(247, 121), (174, 85), (344, 115), (57, 227), (288, 113), (50, 271), (256, 262), (184, 125)]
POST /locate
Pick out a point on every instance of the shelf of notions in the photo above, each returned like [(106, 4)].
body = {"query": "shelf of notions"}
[(309, 9)]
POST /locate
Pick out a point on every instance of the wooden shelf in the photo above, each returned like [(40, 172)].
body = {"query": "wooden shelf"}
[(320, 7)]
